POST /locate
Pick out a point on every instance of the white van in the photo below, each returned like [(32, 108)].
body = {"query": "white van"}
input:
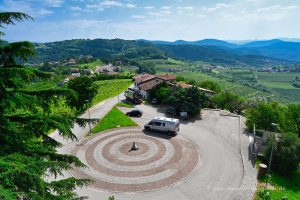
[(167, 125)]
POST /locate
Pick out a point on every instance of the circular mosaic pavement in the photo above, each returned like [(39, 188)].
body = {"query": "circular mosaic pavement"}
[(158, 162)]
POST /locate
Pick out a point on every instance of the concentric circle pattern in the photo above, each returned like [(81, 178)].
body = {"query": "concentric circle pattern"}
[(158, 162)]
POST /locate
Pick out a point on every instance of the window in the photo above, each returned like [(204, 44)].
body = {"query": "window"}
[(157, 123), (163, 124)]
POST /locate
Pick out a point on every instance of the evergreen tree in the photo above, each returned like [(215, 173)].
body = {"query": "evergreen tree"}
[(85, 90), (27, 154)]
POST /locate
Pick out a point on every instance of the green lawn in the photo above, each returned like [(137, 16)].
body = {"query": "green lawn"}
[(92, 65), (289, 187), (110, 88), (125, 104), (114, 119)]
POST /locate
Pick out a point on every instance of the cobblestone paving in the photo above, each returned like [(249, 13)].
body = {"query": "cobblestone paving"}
[(159, 161)]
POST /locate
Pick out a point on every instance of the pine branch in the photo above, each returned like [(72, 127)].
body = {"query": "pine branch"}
[(63, 187), (41, 123), (9, 18), (21, 50)]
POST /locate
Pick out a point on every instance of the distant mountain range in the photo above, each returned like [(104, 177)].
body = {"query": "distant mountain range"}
[(252, 54), (276, 48)]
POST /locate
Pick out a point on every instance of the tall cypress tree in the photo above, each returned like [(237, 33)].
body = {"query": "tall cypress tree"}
[(27, 154)]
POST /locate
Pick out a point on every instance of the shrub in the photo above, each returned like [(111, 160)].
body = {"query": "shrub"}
[(211, 85), (286, 154), (179, 78)]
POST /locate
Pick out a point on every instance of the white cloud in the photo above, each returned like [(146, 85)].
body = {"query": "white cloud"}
[(25, 7), (166, 7), (188, 8), (201, 16), (55, 3), (148, 7), (130, 5), (241, 19), (75, 8), (43, 12), (160, 13), (218, 6), (138, 16), (104, 4)]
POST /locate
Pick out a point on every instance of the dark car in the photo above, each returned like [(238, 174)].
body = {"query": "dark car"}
[(154, 101), (171, 111), (134, 113)]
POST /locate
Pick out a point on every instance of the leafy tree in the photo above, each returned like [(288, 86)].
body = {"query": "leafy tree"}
[(146, 68), (186, 100), (229, 101), (211, 85), (28, 154), (85, 90), (286, 153), (291, 121), (263, 115), (160, 92)]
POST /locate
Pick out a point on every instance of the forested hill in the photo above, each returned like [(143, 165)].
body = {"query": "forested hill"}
[(220, 55), (100, 48), (118, 49)]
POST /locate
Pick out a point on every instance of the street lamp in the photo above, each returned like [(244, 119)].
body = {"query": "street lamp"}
[(271, 155), (87, 101)]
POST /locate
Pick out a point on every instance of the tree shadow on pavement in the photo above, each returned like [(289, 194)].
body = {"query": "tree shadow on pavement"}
[(157, 134), (251, 157)]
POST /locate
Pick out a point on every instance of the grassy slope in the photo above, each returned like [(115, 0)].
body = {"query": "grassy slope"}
[(92, 65), (279, 91), (240, 89), (110, 88), (289, 187), (114, 119), (164, 64)]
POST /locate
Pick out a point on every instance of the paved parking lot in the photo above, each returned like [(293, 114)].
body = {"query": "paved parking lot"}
[(224, 170)]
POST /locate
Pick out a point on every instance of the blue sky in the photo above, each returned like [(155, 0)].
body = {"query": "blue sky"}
[(154, 20)]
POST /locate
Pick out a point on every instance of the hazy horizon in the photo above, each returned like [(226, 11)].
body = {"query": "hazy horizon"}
[(168, 20)]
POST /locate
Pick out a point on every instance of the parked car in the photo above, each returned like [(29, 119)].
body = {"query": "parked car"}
[(154, 101), (133, 95), (162, 124), (135, 113), (171, 111)]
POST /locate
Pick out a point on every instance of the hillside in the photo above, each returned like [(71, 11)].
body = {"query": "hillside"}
[(100, 48), (220, 55), (117, 49), (280, 50), (275, 48)]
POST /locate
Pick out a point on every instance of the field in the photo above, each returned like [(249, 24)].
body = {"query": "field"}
[(114, 119), (92, 65), (226, 85), (251, 84), (164, 65), (281, 84), (110, 88)]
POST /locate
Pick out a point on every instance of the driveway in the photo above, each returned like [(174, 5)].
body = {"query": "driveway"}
[(224, 171)]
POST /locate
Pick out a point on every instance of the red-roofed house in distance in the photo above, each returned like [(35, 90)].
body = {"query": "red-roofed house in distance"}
[(146, 82)]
